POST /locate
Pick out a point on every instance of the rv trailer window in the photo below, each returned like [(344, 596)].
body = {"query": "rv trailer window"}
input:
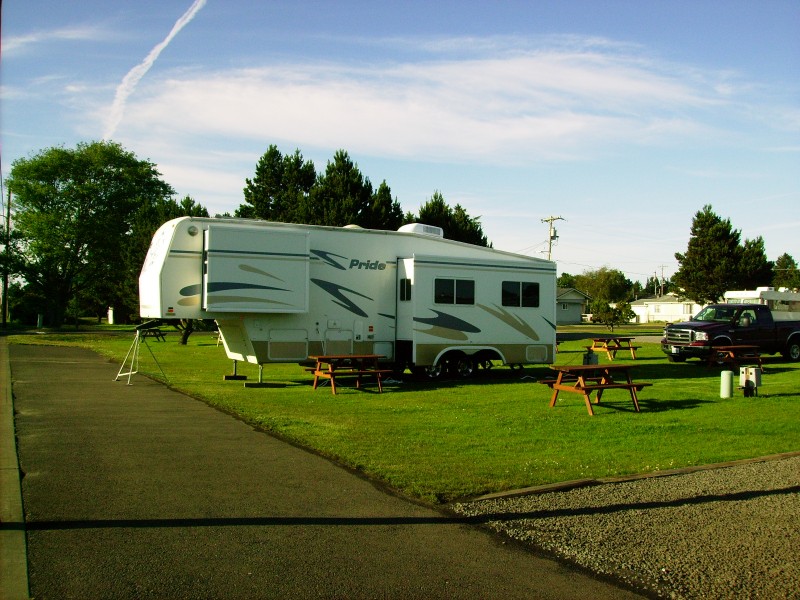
[(444, 291), (520, 293), (530, 294), (454, 291), (405, 290), (465, 291)]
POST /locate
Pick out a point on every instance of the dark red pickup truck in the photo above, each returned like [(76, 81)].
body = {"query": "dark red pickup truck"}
[(733, 324)]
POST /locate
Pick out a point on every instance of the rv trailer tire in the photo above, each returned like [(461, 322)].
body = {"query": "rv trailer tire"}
[(431, 371), (463, 366)]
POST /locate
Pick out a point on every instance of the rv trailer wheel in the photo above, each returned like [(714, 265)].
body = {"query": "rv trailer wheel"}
[(463, 366), (433, 371)]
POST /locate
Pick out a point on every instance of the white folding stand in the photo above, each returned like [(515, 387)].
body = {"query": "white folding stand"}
[(133, 354)]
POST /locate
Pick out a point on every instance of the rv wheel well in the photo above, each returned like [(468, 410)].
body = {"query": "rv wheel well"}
[(480, 355)]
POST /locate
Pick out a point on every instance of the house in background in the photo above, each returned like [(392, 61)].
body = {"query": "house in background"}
[(667, 309), (571, 305)]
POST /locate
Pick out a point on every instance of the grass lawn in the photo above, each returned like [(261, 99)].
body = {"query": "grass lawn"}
[(461, 438)]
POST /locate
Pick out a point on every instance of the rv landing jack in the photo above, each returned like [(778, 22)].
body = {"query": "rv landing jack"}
[(234, 376), (260, 382)]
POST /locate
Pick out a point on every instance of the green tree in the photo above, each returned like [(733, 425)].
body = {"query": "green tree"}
[(280, 187), (611, 316), (73, 211), (604, 284), (341, 196), (384, 212), (786, 273), (754, 268), (716, 260), (455, 222), (565, 280)]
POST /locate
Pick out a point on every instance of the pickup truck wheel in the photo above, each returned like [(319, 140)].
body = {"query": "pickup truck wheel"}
[(792, 351)]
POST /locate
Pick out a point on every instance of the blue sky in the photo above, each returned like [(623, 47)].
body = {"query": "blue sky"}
[(622, 117)]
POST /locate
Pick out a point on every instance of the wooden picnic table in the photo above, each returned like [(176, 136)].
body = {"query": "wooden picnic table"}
[(585, 379), (336, 366), (154, 332), (613, 344), (734, 355)]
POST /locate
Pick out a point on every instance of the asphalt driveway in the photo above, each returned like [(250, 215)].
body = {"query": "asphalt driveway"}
[(142, 492)]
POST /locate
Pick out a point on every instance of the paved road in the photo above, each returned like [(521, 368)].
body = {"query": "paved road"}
[(141, 492)]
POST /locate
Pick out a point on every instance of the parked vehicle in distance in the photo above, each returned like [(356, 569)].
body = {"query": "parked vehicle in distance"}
[(733, 324)]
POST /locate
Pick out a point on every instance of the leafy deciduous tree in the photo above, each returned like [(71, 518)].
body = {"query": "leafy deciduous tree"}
[(73, 211), (608, 285)]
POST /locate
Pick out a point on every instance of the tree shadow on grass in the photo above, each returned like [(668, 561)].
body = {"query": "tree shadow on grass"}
[(654, 405)]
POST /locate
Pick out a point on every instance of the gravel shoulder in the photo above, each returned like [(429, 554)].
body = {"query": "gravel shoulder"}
[(729, 532)]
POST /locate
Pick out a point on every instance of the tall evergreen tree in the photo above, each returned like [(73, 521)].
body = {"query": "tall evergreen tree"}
[(711, 263), (717, 261), (280, 187), (455, 222), (384, 212), (786, 273), (754, 268), (341, 196)]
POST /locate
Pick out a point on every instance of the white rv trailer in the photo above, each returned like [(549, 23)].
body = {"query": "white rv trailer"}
[(282, 292), (780, 301)]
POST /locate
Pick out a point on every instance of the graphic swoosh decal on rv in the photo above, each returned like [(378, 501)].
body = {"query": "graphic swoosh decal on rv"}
[(336, 290), (446, 326), (221, 286), (326, 256), (511, 320)]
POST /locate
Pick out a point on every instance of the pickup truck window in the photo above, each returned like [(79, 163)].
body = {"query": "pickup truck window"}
[(715, 314), (747, 318)]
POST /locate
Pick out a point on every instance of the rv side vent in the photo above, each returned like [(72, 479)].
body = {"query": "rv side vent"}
[(423, 229)]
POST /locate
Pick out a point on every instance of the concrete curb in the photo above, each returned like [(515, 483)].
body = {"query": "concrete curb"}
[(13, 550)]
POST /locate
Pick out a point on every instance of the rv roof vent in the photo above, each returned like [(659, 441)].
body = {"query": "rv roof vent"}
[(765, 289), (352, 226), (423, 229)]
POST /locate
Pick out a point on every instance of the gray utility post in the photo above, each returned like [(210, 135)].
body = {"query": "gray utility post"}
[(553, 234)]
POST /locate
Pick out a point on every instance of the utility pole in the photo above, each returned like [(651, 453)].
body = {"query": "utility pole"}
[(553, 234)]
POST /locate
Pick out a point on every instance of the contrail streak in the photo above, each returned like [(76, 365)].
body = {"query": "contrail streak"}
[(129, 82)]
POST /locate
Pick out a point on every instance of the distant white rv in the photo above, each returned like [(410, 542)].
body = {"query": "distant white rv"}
[(780, 300), (282, 292)]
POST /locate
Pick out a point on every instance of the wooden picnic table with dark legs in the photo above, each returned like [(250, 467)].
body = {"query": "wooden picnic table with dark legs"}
[(613, 344), (734, 355), (336, 366), (585, 379)]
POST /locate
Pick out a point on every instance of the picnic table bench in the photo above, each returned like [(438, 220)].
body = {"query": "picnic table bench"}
[(734, 355), (585, 379), (613, 344), (337, 366)]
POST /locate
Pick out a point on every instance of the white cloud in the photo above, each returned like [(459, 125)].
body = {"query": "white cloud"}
[(533, 106), (15, 44)]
